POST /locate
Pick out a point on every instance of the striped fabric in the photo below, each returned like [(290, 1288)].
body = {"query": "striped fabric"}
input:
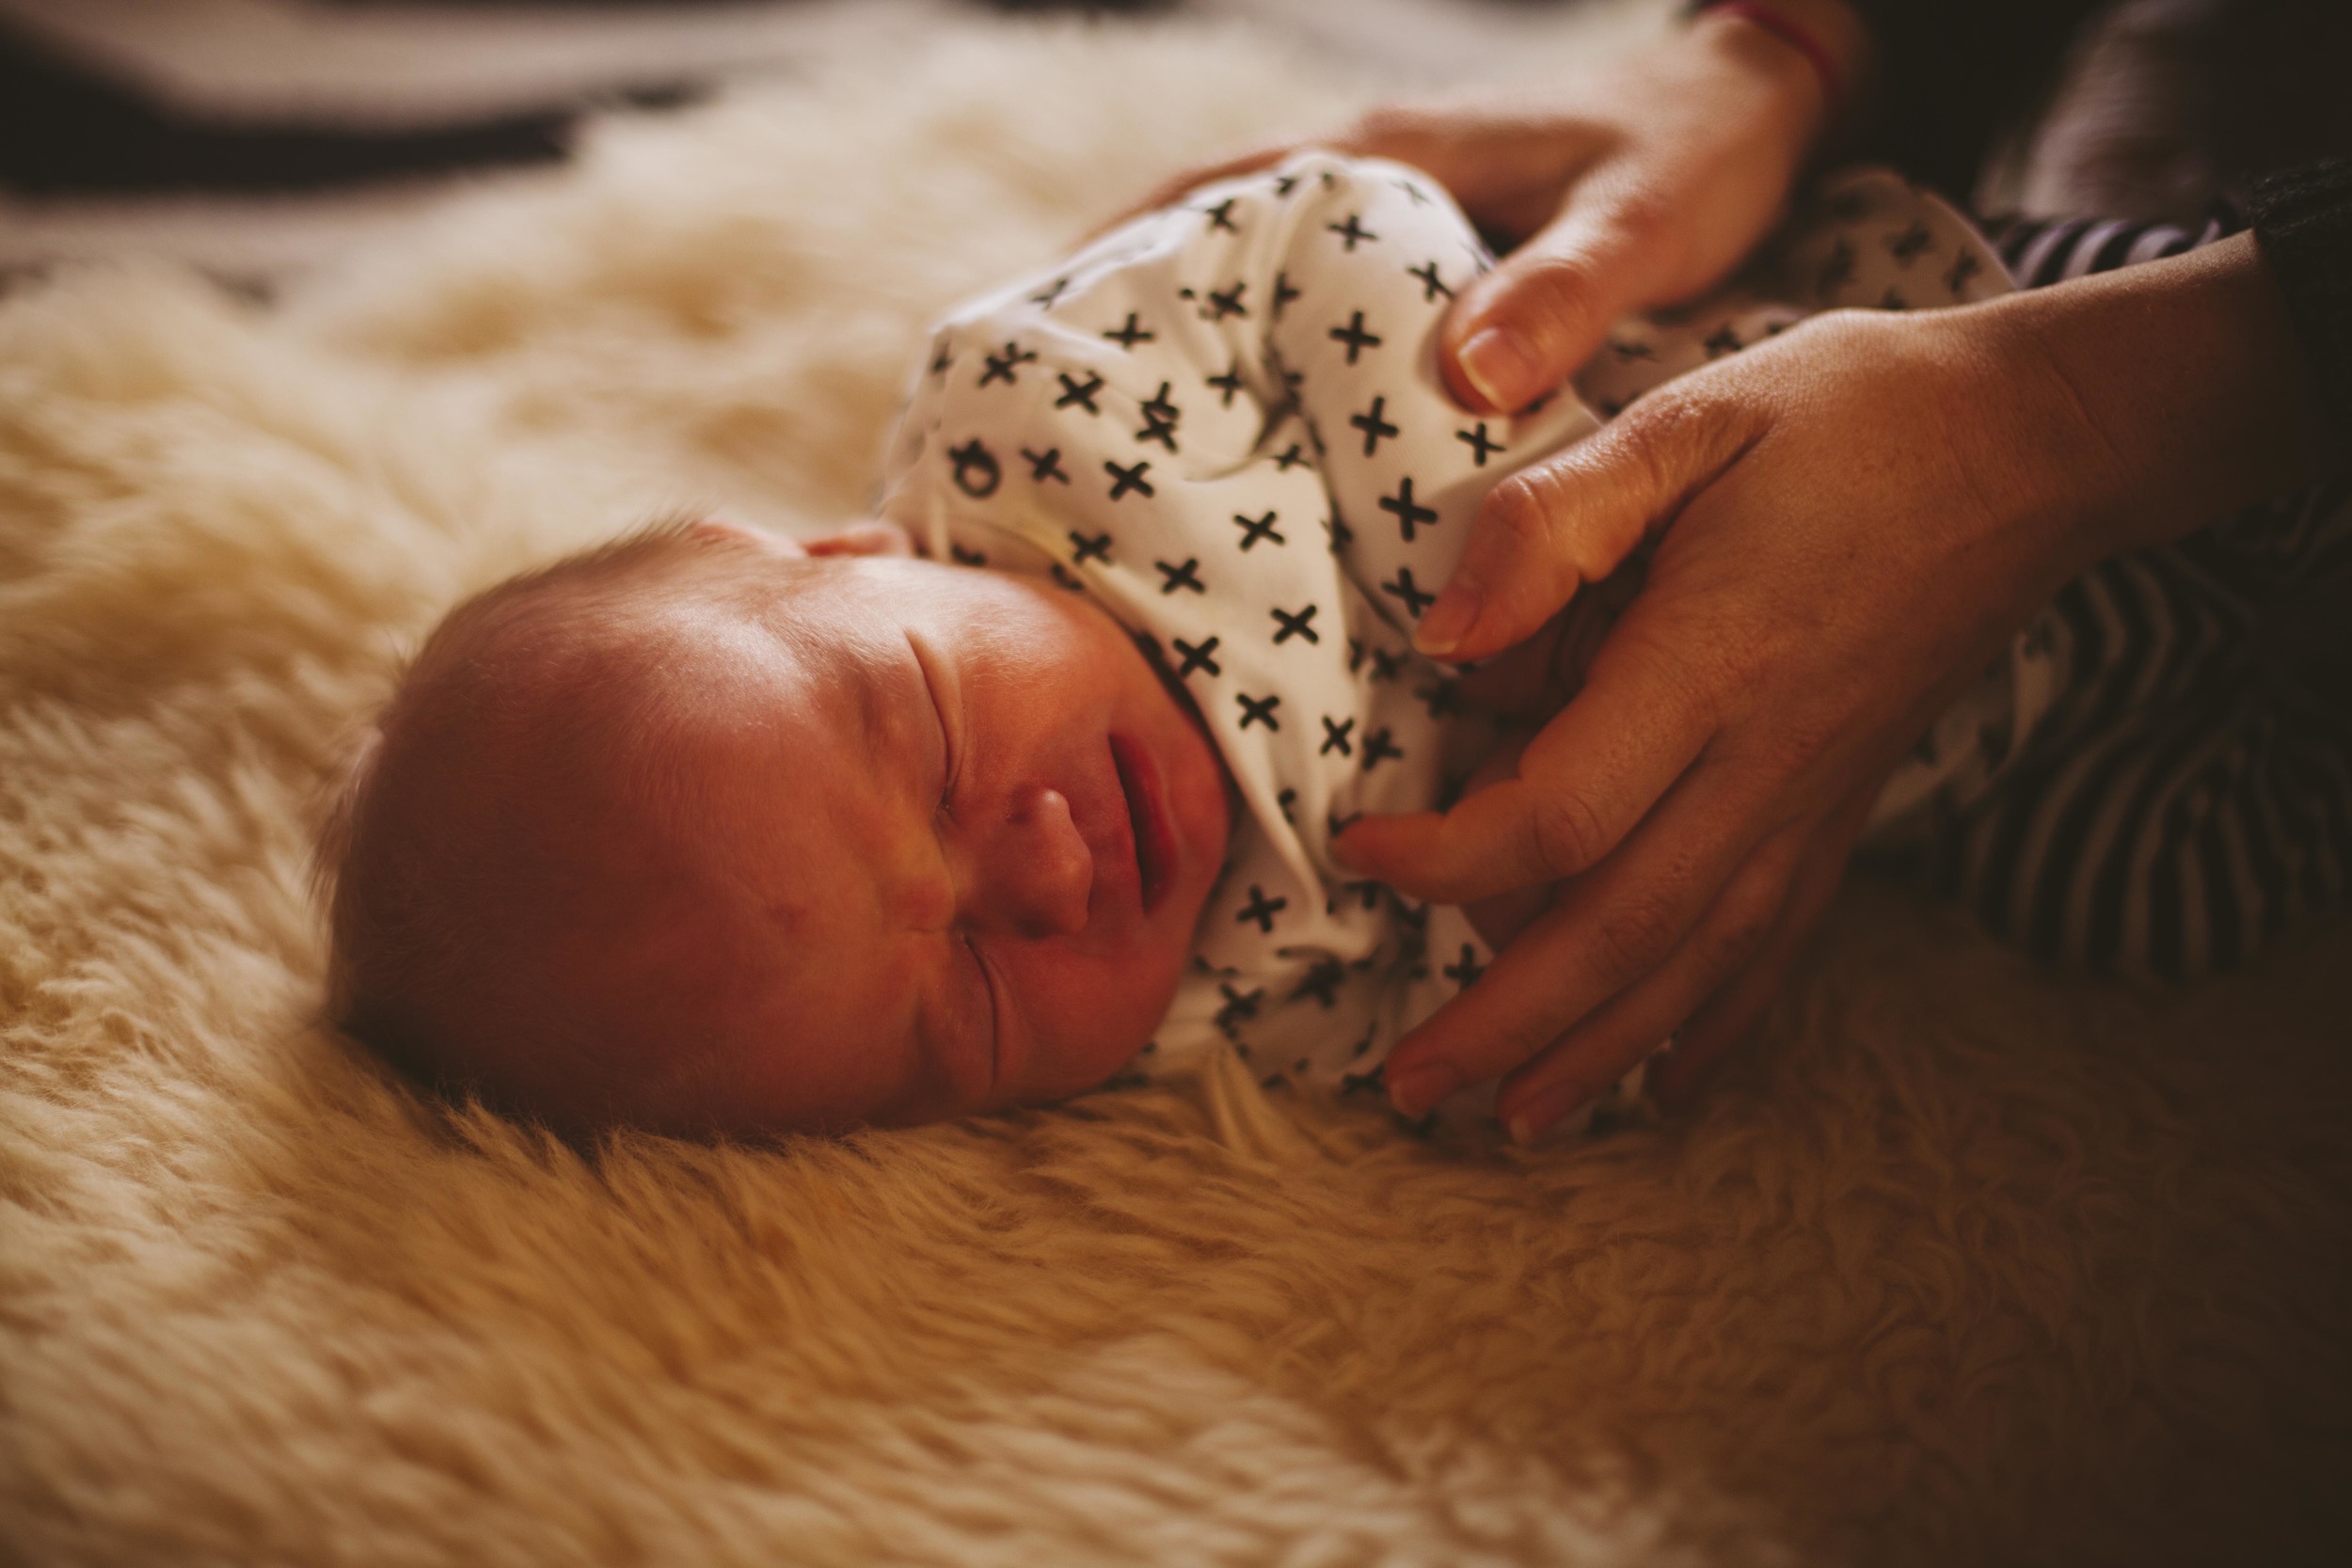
[(2189, 798)]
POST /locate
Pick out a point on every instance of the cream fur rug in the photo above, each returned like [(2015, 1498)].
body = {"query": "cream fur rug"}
[(1965, 1265)]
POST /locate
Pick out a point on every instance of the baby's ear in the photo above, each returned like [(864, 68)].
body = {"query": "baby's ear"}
[(723, 529), (871, 537)]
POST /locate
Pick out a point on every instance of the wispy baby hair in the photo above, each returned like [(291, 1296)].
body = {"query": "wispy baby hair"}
[(443, 862)]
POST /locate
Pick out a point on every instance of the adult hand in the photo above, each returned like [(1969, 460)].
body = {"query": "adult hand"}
[(1655, 181), (1856, 515)]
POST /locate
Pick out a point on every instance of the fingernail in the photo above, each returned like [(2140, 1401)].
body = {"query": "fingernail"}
[(1503, 368), (1414, 1092), (1449, 620), (1536, 1118)]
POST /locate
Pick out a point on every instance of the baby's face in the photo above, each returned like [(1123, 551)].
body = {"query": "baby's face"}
[(948, 831)]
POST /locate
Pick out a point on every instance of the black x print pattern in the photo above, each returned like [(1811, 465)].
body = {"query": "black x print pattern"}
[(1255, 529), (1200, 655), (1837, 270), (1323, 983), (1045, 465), (1909, 245), (1005, 367), (1221, 215), (1410, 514), (1964, 267), (1355, 336), (1126, 477), (1258, 710), (1294, 457), (1295, 624), (1433, 287), (1077, 393), (1352, 231), (1086, 548), (1465, 972), (1261, 910), (1052, 293), (1380, 746), (1440, 699), (1338, 735), (1239, 1008), (1129, 333), (1227, 384), (1373, 422), (1407, 592), (1187, 575), (1225, 302), (1481, 446), (1283, 294), (1159, 419)]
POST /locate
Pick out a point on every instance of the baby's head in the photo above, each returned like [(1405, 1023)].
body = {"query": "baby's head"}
[(708, 832)]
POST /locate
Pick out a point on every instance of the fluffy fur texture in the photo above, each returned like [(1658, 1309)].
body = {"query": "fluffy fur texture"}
[(1964, 1264)]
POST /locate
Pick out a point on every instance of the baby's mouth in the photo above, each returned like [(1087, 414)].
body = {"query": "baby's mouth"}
[(1147, 817)]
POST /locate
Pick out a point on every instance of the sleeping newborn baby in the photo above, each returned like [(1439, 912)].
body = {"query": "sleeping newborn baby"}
[(1034, 778)]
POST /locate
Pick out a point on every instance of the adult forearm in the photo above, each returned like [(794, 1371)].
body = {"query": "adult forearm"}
[(2161, 397)]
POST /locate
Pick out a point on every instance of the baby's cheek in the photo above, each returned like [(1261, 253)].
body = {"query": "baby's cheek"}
[(1103, 1012)]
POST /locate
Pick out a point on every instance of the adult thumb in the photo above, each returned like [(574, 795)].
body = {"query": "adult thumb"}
[(1522, 329), (1572, 519)]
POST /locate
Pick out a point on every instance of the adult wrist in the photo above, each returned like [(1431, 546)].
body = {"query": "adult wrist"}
[(2168, 393), (1818, 51)]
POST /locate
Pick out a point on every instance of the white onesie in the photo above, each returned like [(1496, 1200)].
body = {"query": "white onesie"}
[(1224, 422)]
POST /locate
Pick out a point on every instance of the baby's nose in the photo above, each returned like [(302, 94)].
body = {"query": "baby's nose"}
[(1040, 874)]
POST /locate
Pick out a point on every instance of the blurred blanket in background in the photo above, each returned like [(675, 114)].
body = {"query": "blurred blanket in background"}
[(260, 138)]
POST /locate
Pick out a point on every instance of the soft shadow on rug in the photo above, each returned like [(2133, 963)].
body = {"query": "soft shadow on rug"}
[(1965, 1264)]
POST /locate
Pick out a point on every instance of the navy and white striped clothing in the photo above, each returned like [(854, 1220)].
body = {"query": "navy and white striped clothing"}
[(2187, 796)]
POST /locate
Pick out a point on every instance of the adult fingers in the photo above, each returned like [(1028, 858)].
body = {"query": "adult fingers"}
[(1595, 771), (1574, 517), (1523, 331), (1606, 931), (1729, 1017), (1597, 1052)]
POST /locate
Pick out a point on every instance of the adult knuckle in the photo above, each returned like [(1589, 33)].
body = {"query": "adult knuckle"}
[(1645, 221), (1519, 512), (1628, 941), (1566, 280), (1565, 834), (1732, 937)]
